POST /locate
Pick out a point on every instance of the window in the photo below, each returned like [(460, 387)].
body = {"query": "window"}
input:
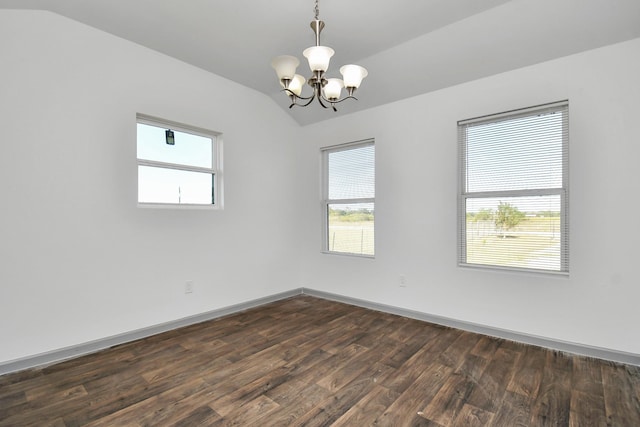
[(348, 206), (513, 201), (177, 164)]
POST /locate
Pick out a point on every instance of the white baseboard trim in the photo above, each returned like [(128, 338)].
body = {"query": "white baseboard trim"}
[(55, 356), (553, 344)]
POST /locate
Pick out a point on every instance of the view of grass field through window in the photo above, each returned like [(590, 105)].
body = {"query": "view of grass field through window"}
[(351, 229), (510, 237)]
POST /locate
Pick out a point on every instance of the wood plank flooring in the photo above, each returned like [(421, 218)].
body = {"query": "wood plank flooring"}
[(306, 361)]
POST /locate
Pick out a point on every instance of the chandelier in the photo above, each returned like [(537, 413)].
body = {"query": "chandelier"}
[(326, 91)]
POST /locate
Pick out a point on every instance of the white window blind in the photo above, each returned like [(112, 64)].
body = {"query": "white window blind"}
[(513, 202), (349, 198)]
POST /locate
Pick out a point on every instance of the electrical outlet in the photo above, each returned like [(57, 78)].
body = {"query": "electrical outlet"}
[(402, 281), (188, 287)]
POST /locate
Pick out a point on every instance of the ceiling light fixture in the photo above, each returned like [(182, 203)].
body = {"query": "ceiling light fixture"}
[(326, 91)]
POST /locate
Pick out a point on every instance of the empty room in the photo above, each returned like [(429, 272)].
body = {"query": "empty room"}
[(319, 213)]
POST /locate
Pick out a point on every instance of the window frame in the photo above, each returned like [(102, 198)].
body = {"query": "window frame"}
[(563, 192), (326, 202), (215, 170)]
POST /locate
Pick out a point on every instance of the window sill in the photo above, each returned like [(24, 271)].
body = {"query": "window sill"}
[(514, 270), (178, 206), (347, 254)]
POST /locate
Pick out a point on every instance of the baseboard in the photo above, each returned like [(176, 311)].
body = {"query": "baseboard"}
[(55, 356), (565, 346), (45, 359)]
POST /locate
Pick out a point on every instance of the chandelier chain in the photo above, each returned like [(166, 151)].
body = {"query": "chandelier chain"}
[(317, 10)]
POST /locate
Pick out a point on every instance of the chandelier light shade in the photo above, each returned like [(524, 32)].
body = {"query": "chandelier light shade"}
[(318, 57), (285, 66), (296, 84), (326, 90), (353, 75), (332, 89)]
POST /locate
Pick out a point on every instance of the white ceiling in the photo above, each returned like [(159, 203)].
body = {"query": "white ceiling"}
[(409, 46)]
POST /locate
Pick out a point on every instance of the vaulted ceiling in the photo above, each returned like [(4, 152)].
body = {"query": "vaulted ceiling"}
[(410, 47)]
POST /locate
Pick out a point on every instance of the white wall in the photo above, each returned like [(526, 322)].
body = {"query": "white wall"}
[(79, 260), (416, 172)]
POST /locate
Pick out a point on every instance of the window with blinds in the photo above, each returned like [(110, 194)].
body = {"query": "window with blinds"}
[(348, 207), (513, 201)]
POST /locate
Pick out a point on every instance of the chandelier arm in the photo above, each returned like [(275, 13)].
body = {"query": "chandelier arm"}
[(320, 98), (337, 101), (345, 98), (295, 97), (311, 98), (290, 93)]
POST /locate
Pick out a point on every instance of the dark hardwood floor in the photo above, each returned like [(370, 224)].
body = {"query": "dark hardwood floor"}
[(310, 362)]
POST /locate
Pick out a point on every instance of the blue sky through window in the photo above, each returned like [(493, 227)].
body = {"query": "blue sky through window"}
[(189, 149)]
